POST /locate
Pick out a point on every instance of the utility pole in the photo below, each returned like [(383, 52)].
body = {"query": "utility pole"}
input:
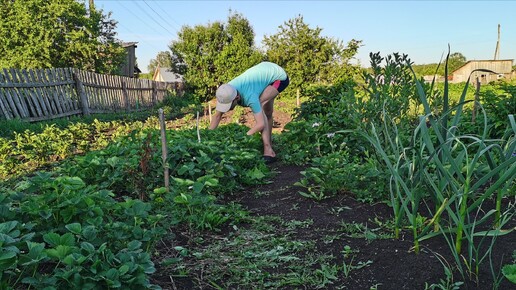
[(92, 6), (497, 50)]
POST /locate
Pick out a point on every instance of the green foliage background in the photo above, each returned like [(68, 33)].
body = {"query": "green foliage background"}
[(54, 34), (212, 54)]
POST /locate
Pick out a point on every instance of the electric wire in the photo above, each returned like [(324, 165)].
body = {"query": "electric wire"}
[(137, 17), (162, 18), (153, 19), (140, 41)]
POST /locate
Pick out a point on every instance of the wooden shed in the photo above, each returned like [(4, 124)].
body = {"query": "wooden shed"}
[(129, 67), (501, 69)]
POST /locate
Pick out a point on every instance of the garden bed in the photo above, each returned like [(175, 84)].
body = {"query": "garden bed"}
[(353, 237)]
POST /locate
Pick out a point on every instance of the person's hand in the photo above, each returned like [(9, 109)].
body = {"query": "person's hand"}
[(259, 123)]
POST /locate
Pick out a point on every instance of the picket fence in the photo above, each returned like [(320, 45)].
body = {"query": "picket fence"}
[(43, 94)]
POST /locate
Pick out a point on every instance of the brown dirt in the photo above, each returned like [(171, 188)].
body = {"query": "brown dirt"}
[(280, 118), (394, 264)]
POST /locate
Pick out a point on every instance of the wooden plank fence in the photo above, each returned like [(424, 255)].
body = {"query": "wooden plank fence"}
[(43, 94)]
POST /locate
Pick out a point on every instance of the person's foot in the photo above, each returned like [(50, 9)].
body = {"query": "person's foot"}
[(267, 151), (269, 159)]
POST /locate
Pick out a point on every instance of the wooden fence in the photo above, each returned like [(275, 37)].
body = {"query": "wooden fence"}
[(43, 94)]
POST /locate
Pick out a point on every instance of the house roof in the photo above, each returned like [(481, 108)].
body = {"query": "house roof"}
[(168, 75), (485, 60), (127, 44)]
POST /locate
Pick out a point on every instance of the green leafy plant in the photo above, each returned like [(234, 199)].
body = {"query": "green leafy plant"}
[(509, 270), (451, 166), (79, 235), (347, 267), (324, 178)]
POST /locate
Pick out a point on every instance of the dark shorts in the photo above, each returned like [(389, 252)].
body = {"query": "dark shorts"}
[(281, 85)]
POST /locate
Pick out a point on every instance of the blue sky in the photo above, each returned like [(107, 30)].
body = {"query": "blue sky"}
[(421, 29)]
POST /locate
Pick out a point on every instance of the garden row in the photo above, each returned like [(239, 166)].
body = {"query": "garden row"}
[(93, 219)]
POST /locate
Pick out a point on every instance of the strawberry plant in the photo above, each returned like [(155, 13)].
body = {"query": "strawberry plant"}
[(79, 235)]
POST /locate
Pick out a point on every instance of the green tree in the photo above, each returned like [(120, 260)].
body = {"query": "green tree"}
[(163, 59), (455, 61), (209, 55), (45, 34), (426, 69), (309, 57)]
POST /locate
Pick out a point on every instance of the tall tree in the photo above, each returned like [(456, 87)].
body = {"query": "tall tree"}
[(163, 59), (45, 34), (455, 61), (212, 54), (309, 57)]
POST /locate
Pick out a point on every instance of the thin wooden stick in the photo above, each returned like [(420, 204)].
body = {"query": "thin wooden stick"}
[(164, 149), (475, 104), (209, 110), (198, 133)]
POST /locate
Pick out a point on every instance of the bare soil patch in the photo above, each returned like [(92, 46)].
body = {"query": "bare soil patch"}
[(392, 263)]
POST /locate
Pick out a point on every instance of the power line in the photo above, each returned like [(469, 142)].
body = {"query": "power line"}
[(159, 15), (153, 19), (137, 17), (140, 41)]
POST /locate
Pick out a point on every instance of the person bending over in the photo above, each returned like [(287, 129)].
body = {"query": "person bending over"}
[(256, 88)]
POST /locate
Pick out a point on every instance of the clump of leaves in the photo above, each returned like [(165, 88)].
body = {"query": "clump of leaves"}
[(339, 172), (60, 232)]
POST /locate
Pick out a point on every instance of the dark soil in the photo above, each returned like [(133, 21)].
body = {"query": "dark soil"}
[(394, 264)]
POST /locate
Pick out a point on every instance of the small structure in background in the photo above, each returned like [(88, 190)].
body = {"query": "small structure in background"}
[(433, 78), (501, 69), (130, 68), (165, 74)]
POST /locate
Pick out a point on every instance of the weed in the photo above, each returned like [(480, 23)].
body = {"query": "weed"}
[(350, 254)]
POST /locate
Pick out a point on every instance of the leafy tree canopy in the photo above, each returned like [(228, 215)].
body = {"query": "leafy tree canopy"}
[(163, 59), (209, 55), (455, 61), (45, 34), (309, 57)]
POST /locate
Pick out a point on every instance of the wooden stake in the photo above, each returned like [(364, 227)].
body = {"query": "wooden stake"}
[(475, 103), (164, 149), (198, 133), (209, 111)]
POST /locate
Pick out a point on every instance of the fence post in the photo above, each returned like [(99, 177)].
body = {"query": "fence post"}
[(475, 103), (164, 152), (82, 94), (125, 96)]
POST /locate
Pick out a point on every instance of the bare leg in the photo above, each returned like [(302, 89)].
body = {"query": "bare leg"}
[(267, 101)]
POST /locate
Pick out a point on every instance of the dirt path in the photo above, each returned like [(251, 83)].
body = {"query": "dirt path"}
[(362, 227)]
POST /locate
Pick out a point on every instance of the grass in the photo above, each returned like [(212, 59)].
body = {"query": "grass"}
[(250, 256)]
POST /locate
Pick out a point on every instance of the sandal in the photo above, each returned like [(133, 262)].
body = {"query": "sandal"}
[(269, 159)]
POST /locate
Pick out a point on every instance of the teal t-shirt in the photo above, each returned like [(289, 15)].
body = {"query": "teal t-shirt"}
[(251, 83)]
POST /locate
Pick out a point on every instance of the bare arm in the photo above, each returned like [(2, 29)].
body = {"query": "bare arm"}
[(259, 124), (215, 120)]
